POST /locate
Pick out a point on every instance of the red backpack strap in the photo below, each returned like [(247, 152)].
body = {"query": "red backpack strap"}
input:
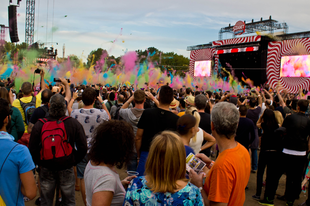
[(44, 120), (64, 118)]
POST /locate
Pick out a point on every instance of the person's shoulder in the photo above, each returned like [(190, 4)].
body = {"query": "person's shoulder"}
[(248, 120), (258, 108), (150, 111), (192, 187), (16, 103), (139, 181), (126, 110), (20, 150), (242, 149), (38, 96)]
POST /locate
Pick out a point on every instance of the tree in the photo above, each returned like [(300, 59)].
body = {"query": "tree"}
[(74, 60), (94, 56)]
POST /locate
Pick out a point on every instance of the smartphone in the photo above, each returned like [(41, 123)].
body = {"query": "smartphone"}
[(93, 85), (68, 80), (308, 97), (57, 80), (97, 91)]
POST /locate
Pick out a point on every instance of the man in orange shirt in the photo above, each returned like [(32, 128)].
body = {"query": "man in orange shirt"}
[(229, 175)]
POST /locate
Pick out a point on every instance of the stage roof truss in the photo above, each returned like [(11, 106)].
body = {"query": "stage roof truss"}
[(261, 26)]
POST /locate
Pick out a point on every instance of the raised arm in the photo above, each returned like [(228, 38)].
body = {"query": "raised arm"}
[(71, 103), (127, 103), (42, 82), (103, 106), (271, 97), (67, 88), (282, 103), (150, 96)]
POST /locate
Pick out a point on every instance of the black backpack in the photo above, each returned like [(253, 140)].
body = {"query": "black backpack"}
[(117, 116), (28, 109)]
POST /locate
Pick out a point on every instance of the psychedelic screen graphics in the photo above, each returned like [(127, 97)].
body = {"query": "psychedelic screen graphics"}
[(202, 68), (295, 66)]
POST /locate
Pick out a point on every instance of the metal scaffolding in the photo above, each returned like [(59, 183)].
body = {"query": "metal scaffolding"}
[(262, 25), (29, 28)]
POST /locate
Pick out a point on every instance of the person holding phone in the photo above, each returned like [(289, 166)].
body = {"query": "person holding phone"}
[(164, 179), (102, 181), (89, 117)]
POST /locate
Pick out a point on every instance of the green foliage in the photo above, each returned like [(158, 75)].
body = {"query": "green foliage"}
[(74, 60), (94, 56)]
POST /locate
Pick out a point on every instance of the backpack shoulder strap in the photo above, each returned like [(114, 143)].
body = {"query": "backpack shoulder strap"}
[(33, 100), (110, 104), (21, 103), (43, 120), (64, 118), (7, 157), (44, 109)]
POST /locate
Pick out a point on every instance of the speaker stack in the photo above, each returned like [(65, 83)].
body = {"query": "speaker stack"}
[(13, 23)]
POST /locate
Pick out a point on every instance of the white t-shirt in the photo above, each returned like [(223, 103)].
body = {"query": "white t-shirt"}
[(101, 178), (196, 146), (89, 119)]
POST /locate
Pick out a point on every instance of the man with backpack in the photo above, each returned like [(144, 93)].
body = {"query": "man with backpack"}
[(110, 101), (27, 105), (115, 108), (57, 143)]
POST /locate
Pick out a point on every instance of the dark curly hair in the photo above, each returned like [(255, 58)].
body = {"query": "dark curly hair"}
[(112, 143)]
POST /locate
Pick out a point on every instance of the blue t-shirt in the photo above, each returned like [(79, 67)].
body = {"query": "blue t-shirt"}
[(18, 162), (188, 150), (138, 193)]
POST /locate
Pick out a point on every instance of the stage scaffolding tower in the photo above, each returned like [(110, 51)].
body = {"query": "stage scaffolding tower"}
[(29, 28)]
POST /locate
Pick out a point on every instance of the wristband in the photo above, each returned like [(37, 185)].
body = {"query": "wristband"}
[(102, 102), (307, 177), (210, 165)]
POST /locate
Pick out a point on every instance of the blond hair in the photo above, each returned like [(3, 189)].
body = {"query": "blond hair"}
[(166, 163), (193, 111), (279, 117)]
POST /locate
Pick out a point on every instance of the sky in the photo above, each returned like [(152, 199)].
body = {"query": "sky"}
[(169, 25)]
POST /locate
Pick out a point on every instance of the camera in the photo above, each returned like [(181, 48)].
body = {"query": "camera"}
[(37, 71)]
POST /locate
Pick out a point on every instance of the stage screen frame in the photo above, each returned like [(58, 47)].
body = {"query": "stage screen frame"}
[(207, 63), (291, 62)]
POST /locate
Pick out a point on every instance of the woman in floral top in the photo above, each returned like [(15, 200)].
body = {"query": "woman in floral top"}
[(164, 182)]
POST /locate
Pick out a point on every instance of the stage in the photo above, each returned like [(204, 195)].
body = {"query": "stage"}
[(255, 57)]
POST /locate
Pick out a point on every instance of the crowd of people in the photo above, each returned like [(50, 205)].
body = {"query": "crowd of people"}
[(73, 137)]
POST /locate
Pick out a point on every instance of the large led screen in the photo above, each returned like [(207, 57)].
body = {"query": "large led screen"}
[(202, 68), (295, 66)]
